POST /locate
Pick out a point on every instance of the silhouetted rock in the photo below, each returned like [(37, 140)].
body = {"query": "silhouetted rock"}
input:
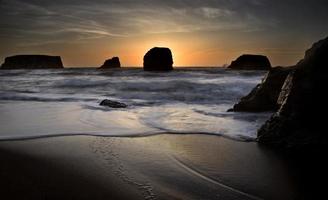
[(251, 62), (112, 104), (301, 119), (158, 59), (264, 97), (32, 62), (111, 63)]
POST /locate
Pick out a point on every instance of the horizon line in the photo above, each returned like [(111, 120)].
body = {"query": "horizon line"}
[(184, 66)]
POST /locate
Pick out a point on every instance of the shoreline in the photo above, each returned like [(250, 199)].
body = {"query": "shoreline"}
[(237, 138), (167, 166)]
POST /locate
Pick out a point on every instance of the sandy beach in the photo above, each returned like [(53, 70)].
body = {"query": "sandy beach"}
[(164, 166)]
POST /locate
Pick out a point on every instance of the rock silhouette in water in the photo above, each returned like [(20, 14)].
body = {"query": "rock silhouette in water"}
[(251, 62), (112, 104), (264, 97), (111, 63), (32, 62), (158, 59)]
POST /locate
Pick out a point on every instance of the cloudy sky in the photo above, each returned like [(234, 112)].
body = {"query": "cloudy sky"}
[(199, 32)]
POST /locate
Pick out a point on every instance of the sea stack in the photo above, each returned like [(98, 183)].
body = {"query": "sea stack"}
[(32, 62), (111, 63), (158, 59), (251, 62)]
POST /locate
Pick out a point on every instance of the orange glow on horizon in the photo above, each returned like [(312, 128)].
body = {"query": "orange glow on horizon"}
[(184, 53), (187, 50)]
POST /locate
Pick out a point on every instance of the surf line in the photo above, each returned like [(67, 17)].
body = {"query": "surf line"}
[(200, 175)]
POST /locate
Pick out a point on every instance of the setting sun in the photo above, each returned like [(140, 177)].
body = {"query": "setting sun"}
[(208, 34)]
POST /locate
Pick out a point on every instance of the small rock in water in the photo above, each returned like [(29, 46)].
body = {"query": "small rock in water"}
[(111, 63), (251, 62), (112, 104)]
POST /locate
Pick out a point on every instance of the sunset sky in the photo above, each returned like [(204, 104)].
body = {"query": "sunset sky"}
[(199, 32)]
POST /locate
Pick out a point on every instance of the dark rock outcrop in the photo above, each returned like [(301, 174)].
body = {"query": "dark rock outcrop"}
[(301, 118), (112, 104), (251, 62), (32, 62), (158, 59), (111, 63), (264, 97)]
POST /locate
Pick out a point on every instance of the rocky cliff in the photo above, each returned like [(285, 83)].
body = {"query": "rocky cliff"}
[(298, 95), (300, 120), (264, 97)]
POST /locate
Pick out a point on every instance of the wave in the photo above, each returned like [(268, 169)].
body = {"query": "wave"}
[(21, 97), (10, 73), (185, 101), (79, 83), (182, 85), (88, 118), (235, 115)]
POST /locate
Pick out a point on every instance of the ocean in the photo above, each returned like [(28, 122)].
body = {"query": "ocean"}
[(42, 103)]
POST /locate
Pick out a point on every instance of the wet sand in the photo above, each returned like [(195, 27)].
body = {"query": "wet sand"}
[(164, 166)]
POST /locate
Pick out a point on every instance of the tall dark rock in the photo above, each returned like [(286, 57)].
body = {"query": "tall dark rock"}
[(32, 62), (158, 59), (301, 119), (264, 97), (111, 63), (251, 62)]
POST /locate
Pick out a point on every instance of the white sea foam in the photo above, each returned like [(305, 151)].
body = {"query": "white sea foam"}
[(49, 102)]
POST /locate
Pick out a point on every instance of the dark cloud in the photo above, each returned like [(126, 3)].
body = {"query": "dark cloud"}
[(122, 18)]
